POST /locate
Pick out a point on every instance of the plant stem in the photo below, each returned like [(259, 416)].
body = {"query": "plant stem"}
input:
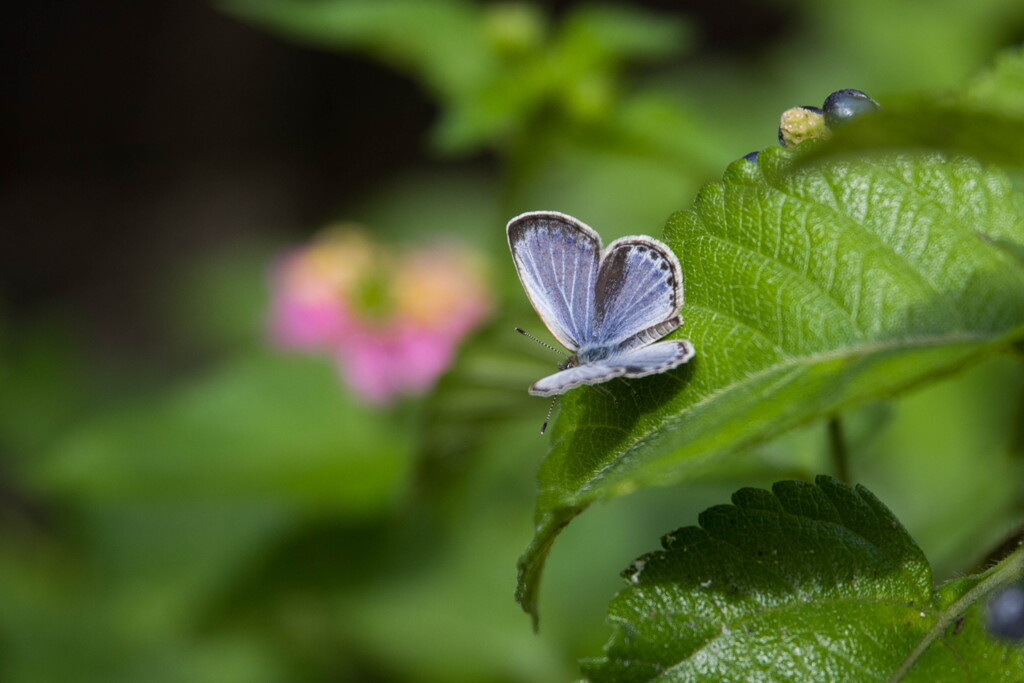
[(1009, 570), (837, 446)]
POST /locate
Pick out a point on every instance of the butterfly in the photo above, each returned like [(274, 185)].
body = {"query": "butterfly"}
[(608, 307)]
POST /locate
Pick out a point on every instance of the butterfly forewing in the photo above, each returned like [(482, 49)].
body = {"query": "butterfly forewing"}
[(638, 290), (557, 259)]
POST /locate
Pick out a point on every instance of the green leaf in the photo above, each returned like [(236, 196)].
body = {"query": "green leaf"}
[(44, 385), (439, 40), (496, 69), (1001, 87), (627, 32), (479, 392), (274, 427), (985, 121), (920, 123), (807, 292), (807, 582)]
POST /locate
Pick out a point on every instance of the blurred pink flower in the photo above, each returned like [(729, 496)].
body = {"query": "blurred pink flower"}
[(392, 321)]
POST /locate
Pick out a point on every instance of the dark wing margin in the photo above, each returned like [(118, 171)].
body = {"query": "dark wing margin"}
[(557, 258)]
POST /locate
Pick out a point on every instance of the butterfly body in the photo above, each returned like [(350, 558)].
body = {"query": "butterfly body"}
[(609, 307)]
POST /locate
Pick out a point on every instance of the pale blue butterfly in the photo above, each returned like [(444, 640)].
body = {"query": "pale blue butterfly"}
[(608, 307)]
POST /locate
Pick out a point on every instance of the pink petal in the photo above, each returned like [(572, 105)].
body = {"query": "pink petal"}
[(306, 325)]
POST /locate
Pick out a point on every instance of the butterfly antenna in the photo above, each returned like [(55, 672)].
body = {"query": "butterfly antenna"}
[(544, 427), (551, 408), (542, 343)]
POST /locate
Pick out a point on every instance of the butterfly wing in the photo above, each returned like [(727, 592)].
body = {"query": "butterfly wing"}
[(639, 362), (564, 380), (653, 359), (557, 258), (638, 293)]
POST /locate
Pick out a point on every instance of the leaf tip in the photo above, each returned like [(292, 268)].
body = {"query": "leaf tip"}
[(531, 563)]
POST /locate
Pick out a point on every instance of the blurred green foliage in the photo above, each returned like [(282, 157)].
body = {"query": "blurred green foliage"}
[(251, 520)]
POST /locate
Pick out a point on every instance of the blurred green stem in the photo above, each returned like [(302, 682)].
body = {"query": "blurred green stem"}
[(837, 446)]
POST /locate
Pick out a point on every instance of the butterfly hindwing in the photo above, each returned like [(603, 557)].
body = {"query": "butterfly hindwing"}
[(639, 289), (639, 362), (564, 380), (653, 358)]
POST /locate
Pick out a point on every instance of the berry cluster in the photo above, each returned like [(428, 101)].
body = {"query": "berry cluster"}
[(807, 122)]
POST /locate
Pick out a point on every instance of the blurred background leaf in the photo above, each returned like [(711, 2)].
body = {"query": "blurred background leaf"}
[(984, 121), (264, 426), (494, 68)]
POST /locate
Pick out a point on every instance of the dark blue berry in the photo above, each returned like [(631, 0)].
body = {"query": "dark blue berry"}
[(1006, 612), (752, 157), (844, 105)]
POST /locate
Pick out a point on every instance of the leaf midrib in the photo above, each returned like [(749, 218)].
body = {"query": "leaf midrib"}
[(791, 363), (739, 625)]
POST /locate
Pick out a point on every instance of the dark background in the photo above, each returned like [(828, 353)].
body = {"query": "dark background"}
[(138, 135)]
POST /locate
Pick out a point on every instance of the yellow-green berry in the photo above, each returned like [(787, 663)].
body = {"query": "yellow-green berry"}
[(799, 124)]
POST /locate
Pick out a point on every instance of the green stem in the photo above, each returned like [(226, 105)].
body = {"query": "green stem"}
[(837, 446), (1007, 571)]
